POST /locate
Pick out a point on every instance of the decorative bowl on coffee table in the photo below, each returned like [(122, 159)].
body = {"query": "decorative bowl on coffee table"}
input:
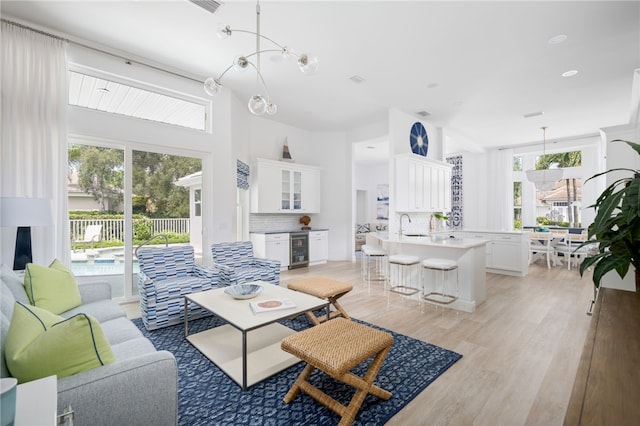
[(243, 291)]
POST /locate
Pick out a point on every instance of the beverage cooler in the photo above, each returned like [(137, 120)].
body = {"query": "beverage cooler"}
[(299, 249)]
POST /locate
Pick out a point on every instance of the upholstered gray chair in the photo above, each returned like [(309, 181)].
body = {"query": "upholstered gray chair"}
[(235, 264)]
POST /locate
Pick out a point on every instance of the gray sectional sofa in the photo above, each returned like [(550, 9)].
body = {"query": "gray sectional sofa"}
[(139, 388)]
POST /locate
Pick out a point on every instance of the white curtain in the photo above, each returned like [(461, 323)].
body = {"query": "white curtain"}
[(500, 190), (34, 134)]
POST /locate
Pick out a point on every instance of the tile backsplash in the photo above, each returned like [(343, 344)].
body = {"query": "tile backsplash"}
[(275, 222)]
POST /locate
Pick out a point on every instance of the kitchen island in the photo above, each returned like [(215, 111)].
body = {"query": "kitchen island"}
[(469, 253)]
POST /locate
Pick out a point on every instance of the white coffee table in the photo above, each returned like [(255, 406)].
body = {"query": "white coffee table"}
[(247, 349)]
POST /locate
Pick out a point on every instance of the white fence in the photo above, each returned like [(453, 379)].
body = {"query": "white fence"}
[(113, 229)]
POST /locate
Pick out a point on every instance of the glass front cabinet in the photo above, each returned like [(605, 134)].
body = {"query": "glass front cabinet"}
[(279, 187)]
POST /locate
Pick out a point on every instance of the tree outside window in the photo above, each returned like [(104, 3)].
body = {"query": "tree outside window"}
[(197, 202), (517, 163), (563, 201), (517, 205)]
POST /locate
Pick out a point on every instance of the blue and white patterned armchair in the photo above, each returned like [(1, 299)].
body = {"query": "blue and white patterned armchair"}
[(166, 275), (235, 264)]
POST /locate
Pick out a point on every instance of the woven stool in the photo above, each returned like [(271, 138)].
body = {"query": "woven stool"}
[(324, 288), (377, 256), (442, 297), (335, 347), (401, 269)]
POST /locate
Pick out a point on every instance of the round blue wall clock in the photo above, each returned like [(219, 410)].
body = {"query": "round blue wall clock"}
[(418, 139)]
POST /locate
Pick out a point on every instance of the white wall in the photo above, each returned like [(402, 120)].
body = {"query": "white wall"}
[(332, 153), (367, 178), (375, 130)]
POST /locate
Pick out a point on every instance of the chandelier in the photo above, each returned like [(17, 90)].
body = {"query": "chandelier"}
[(544, 179), (258, 103)]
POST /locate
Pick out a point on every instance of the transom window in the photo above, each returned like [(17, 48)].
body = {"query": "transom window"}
[(103, 95)]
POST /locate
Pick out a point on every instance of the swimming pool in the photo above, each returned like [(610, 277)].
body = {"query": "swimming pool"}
[(100, 267), (106, 265)]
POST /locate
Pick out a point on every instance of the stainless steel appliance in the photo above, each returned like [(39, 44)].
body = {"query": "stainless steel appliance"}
[(299, 250)]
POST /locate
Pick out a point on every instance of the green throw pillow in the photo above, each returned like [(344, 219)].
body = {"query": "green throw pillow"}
[(41, 344), (53, 288)]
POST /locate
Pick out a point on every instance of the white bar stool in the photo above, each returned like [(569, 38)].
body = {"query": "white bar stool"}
[(402, 269), (376, 256), (446, 295)]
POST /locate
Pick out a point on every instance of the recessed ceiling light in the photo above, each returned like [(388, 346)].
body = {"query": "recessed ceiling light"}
[(570, 73), (357, 79), (557, 39), (423, 113)]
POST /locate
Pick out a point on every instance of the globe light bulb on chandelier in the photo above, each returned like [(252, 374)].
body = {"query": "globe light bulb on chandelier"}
[(258, 104)]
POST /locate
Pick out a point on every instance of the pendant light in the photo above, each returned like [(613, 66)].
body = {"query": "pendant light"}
[(258, 104), (544, 179)]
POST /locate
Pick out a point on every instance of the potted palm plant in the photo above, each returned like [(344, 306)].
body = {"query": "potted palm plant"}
[(616, 227)]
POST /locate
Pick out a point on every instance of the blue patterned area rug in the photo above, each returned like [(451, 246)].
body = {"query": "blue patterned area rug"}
[(208, 397)]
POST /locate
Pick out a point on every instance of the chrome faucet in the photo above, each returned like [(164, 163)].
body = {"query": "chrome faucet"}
[(401, 216)]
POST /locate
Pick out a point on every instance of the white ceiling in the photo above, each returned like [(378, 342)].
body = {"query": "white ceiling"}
[(477, 67)]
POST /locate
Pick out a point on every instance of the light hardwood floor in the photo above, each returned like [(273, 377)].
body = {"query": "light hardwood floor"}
[(520, 348)]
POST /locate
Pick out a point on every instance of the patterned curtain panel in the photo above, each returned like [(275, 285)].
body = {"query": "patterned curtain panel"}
[(242, 175), (455, 215)]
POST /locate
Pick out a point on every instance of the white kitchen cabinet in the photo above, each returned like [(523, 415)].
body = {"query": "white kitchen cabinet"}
[(441, 188), (272, 246), (318, 247), (266, 188), (507, 252), (279, 187), (483, 236), (422, 185)]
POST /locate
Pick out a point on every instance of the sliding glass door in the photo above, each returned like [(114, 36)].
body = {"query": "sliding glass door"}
[(96, 214), (121, 198), (165, 202)]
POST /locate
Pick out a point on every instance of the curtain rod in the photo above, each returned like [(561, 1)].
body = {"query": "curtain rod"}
[(95, 49)]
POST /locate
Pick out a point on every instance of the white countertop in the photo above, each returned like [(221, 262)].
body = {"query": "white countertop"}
[(493, 231), (437, 241)]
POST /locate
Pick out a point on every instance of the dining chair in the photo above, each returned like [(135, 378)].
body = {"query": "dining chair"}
[(540, 244), (571, 249)]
